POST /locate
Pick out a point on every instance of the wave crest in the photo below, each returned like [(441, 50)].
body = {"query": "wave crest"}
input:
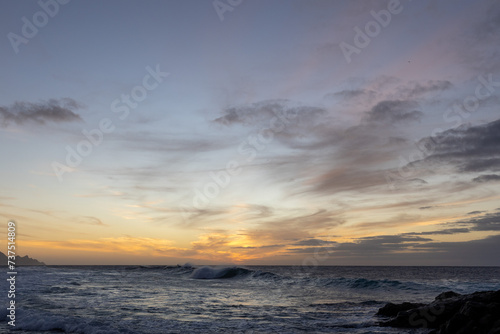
[(216, 273)]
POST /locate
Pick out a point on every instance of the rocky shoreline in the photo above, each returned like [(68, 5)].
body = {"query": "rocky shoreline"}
[(449, 313)]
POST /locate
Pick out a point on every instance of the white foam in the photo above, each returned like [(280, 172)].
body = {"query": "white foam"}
[(44, 321)]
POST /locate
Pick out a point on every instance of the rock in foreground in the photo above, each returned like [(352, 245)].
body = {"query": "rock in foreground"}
[(449, 313)]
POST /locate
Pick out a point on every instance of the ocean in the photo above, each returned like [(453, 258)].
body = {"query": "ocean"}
[(252, 299)]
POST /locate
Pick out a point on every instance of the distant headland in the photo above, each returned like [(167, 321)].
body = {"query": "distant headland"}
[(21, 261)]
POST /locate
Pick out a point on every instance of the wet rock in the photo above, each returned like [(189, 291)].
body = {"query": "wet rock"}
[(392, 310), (449, 313)]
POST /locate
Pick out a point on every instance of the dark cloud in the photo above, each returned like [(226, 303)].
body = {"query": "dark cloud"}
[(390, 239), (382, 243), (488, 222), (486, 178), (441, 232), (262, 112), (367, 245), (353, 94), (483, 252), (475, 212), (394, 111), (468, 148), (404, 249), (313, 242), (46, 111), (482, 165)]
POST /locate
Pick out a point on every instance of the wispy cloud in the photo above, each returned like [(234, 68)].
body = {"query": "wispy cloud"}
[(441, 232), (353, 94), (262, 112), (487, 178), (416, 90), (53, 110), (394, 112), (88, 220)]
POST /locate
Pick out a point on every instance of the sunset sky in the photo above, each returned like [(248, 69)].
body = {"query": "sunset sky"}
[(251, 132)]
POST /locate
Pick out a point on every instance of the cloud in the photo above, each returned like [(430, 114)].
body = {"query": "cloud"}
[(415, 90), (262, 112), (345, 158), (353, 94), (313, 242), (394, 111), (468, 149), (390, 239), (343, 179), (477, 45), (488, 222), (123, 244), (392, 89), (406, 248), (482, 165), (88, 220), (441, 232), (482, 252), (296, 228), (53, 110), (486, 178), (367, 245), (229, 247)]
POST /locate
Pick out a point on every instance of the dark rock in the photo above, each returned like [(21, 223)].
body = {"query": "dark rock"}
[(496, 328), (392, 310), (455, 324), (446, 295), (449, 313), (20, 261)]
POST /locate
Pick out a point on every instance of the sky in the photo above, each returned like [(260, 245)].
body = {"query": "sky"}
[(251, 132)]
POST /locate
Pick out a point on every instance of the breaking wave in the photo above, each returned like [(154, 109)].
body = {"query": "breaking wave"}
[(215, 273), (207, 272)]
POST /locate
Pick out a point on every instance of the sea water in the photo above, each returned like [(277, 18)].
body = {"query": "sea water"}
[(190, 299)]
